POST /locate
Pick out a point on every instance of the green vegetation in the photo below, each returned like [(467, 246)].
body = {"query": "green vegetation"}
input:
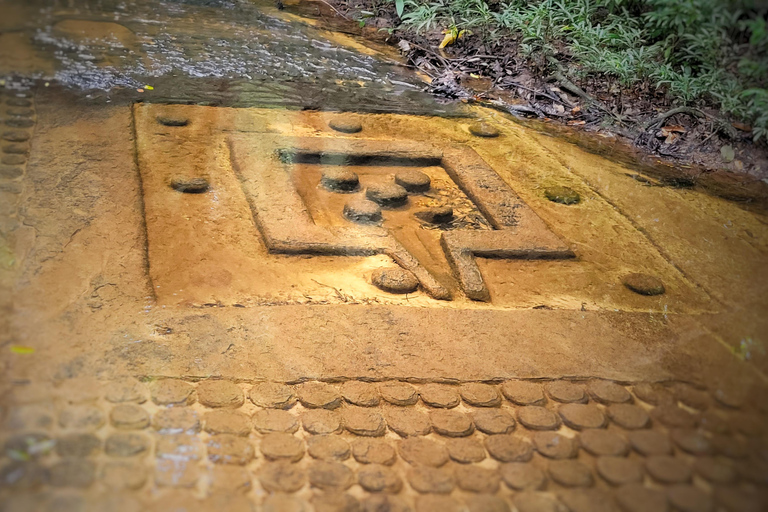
[(700, 52)]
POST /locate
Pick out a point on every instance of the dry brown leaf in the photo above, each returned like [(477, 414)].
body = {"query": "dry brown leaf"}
[(742, 127), (576, 123), (671, 138), (669, 129), (576, 109)]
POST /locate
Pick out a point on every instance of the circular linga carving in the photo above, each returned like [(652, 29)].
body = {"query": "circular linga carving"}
[(562, 195), (395, 280), (387, 194), (436, 215), (413, 180), (346, 125), (340, 180), (644, 284), (362, 211), (190, 185), (172, 121), (483, 130)]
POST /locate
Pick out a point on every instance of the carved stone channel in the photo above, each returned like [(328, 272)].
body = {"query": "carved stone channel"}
[(287, 226)]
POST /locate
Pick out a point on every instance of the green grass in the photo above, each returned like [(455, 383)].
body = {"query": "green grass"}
[(700, 52)]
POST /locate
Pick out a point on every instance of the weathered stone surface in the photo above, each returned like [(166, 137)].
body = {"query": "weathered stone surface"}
[(628, 416), (395, 280), (480, 395), (378, 478), (673, 416), (330, 475), (282, 446), (127, 444), (328, 448), (126, 389), (18, 102), (408, 421), (687, 498), (335, 502), (284, 503), (716, 471), (667, 470), (522, 476), (715, 421), (650, 442), (373, 451), (486, 503), (451, 423), (483, 129), (15, 136), (340, 179), (27, 475), (530, 501), (582, 416), (129, 417), (272, 395), (619, 470), (15, 149), (637, 498), (691, 441), (79, 473), (523, 392), (748, 424), (179, 447), (535, 417), (176, 473), (729, 446), (229, 449), (275, 420), (29, 417), (318, 395), (81, 417), (387, 195), (607, 392), (644, 284), (363, 394), (28, 445), (555, 446), (604, 443), (384, 503), (654, 394), (587, 500), (477, 479), (363, 421), (733, 396), (229, 479), (345, 125), (570, 473), (735, 499), (228, 422), (78, 445), (493, 421), (172, 392), (282, 477), (425, 479), (117, 475), (176, 420), (465, 450), (398, 393), (690, 396), (13, 159), (413, 181), (10, 172), (437, 503), (220, 393), (509, 448), (363, 211), (561, 194), (566, 392), (321, 421), (421, 451)]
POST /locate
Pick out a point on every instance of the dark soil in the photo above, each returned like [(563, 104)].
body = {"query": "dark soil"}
[(497, 75)]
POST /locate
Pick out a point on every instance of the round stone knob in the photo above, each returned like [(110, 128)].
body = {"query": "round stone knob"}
[(340, 180), (362, 211), (395, 280), (413, 181), (190, 185), (387, 194)]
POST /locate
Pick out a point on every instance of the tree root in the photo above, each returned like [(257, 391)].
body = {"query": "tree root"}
[(720, 123)]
